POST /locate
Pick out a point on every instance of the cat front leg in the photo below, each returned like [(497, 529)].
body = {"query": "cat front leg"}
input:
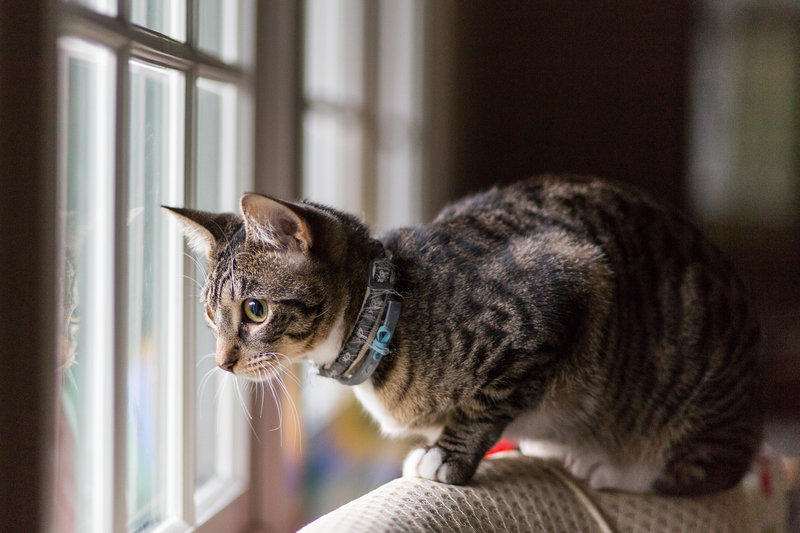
[(455, 455)]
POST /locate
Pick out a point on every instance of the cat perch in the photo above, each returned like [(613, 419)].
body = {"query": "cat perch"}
[(515, 493)]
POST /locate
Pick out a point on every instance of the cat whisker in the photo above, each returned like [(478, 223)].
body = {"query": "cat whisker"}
[(243, 404), (196, 283), (284, 367), (200, 266), (204, 382), (267, 383), (279, 409), (294, 411), (202, 359), (262, 387)]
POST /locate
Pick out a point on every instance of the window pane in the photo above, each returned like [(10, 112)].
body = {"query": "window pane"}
[(221, 27), (164, 16), (332, 160), (106, 7), (399, 115), (334, 50), (83, 455), (216, 190), (156, 178)]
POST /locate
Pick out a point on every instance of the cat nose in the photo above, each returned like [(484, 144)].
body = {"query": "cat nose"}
[(227, 365)]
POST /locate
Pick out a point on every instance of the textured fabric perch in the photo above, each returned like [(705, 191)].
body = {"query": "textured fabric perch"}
[(521, 494)]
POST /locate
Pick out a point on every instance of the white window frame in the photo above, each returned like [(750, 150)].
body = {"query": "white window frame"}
[(239, 502)]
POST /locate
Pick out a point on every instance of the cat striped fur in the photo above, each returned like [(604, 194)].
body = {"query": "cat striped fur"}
[(571, 315)]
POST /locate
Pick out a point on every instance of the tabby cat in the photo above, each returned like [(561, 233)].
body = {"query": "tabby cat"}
[(570, 315)]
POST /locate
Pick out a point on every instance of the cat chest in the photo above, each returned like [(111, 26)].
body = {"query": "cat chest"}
[(390, 425)]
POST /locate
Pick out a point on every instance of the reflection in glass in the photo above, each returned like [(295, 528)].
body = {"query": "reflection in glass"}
[(156, 177), (83, 422)]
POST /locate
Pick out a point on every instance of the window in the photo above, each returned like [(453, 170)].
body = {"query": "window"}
[(743, 165), (152, 110), (361, 131)]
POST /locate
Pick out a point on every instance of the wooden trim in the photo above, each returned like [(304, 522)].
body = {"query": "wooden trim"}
[(29, 248), (277, 96)]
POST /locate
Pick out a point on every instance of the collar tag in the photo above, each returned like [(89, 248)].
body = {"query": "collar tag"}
[(381, 274)]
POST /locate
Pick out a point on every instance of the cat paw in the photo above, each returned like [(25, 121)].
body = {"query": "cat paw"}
[(427, 463), (601, 474), (582, 466), (544, 450)]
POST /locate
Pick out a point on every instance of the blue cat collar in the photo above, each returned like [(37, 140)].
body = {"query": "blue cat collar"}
[(378, 348), (369, 340)]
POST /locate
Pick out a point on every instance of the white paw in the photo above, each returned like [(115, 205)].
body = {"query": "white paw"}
[(600, 473), (582, 466), (605, 477), (543, 449), (426, 463), (636, 478)]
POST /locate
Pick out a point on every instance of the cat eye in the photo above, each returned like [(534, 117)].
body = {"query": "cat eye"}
[(255, 310), (210, 313)]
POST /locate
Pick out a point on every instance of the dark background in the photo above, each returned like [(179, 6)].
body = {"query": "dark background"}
[(567, 86), (603, 88)]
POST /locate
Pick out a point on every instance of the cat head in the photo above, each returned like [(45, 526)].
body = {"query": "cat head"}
[(279, 282)]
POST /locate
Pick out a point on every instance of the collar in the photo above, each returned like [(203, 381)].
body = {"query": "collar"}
[(375, 325)]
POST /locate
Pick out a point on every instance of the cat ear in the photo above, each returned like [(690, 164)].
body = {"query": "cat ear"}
[(275, 223), (201, 229)]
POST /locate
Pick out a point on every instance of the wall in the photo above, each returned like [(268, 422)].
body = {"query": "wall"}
[(569, 86)]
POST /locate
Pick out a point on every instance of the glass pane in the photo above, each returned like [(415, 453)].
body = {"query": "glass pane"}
[(223, 27), (106, 7), (164, 16), (332, 160), (156, 178), (334, 50), (399, 115), (216, 191), (83, 459)]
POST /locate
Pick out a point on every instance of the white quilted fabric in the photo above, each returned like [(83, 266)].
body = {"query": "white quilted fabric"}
[(523, 494)]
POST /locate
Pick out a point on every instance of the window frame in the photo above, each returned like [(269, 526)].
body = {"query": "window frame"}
[(32, 246), (127, 41)]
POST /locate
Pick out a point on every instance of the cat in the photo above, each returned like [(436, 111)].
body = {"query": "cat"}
[(573, 316)]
